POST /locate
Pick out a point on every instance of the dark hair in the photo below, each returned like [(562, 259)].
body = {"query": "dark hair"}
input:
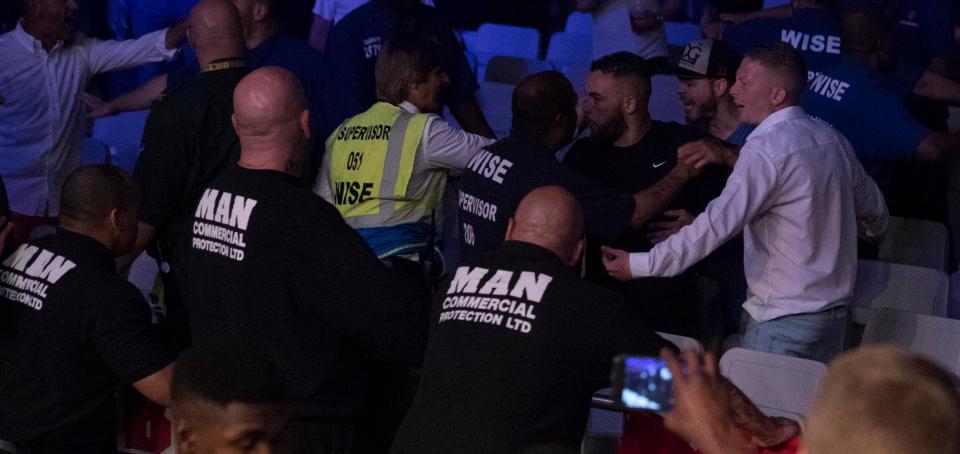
[(406, 59), (537, 100), (91, 192), (223, 374), (622, 64), (785, 60), (861, 29), (626, 65)]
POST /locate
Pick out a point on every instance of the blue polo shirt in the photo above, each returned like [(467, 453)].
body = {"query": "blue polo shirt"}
[(356, 40), (813, 31), (853, 99)]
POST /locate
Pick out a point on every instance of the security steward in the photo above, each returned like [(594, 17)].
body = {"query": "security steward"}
[(188, 140), (268, 264), (520, 342), (72, 329), (385, 169), (499, 176)]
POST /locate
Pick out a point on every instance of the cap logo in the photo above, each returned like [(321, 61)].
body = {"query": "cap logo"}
[(691, 54)]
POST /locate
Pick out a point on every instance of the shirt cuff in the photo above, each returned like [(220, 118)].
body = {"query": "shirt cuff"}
[(640, 264), (162, 45)]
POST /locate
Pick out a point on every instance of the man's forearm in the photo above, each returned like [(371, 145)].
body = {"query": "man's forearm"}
[(653, 200), (937, 87), (140, 98)]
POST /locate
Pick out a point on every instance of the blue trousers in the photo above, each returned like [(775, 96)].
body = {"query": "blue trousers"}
[(818, 336)]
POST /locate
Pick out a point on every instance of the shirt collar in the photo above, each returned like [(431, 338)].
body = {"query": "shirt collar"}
[(530, 251), (789, 113), (30, 43), (92, 252), (409, 107), (259, 53)]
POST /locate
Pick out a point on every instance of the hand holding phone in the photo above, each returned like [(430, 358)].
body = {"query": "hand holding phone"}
[(642, 383)]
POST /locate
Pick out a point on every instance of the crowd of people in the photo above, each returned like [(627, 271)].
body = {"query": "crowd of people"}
[(292, 193)]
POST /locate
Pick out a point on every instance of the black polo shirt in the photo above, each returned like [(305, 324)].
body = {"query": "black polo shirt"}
[(502, 174), (71, 331), (268, 263), (519, 345), (187, 142)]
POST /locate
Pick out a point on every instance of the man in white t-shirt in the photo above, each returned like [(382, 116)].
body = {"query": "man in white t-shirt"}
[(631, 25), (329, 12)]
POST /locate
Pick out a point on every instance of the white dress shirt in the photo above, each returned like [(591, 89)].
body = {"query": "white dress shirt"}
[(798, 192), (612, 32), (41, 116)]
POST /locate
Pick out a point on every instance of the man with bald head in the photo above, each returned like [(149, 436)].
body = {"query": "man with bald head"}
[(72, 329), (270, 265), (188, 141), (520, 342)]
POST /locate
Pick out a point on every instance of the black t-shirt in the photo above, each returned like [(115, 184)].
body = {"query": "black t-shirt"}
[(637, 167), (71, 331), (502, 174), (268, 263), (668, 304), (188, 140), (520, 344)]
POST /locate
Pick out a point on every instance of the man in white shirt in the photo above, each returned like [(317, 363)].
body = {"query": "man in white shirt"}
[(326, 13), (43, 68), (631, 25), (800, 196)]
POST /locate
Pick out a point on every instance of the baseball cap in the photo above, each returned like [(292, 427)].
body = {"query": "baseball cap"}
[(708, 59)]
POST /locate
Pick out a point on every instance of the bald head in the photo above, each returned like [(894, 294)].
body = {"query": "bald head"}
[(537, 102), (270, 117), (102, 202), (216, 31), (549, 217)]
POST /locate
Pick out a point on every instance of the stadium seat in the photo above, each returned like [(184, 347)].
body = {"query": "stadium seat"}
[(469, 39), (882, 285), (778, 385), (509, 70), (570, 48), (495, 101), (916, 242), (664, 105), (581, 23), (682, 342), (936, 338), (507, 40), (577, 74), (681, 33), (125, 128)]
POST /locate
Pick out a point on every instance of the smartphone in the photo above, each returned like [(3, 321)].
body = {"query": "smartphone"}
[(642, 383)]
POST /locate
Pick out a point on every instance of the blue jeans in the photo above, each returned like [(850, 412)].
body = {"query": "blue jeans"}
[(818, 336)]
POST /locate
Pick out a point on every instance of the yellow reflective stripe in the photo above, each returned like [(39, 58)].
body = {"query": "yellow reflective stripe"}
[(393, 164), (413, 133)]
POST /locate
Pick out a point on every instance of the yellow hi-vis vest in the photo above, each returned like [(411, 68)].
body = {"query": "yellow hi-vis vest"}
[(370, 163)]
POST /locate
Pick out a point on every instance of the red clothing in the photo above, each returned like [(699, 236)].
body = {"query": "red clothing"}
[(644, 433)]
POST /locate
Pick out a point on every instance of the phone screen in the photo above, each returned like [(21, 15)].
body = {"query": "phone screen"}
[(647, 383)]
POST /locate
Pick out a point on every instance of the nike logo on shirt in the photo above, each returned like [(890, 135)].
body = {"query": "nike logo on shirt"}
[(660, 164)]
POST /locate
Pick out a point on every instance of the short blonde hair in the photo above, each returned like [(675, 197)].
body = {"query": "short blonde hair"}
[(405, 60), (882, 400)]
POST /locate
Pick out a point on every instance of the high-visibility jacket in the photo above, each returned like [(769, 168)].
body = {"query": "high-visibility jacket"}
[(369, 166)]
